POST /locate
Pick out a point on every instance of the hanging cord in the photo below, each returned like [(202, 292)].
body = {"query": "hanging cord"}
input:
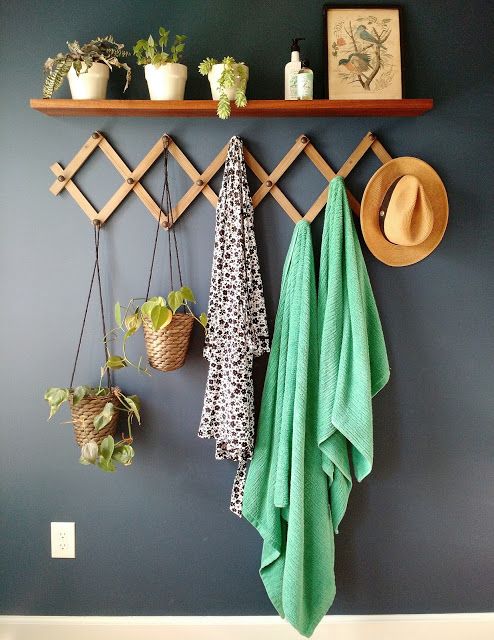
[(96, 272), (168, 211)]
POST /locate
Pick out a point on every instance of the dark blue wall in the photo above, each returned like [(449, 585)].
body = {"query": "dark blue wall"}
[(158, 538)]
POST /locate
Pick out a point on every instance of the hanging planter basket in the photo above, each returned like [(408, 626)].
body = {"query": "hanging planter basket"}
[(95, 410), (84, 413), (166, 331), (167, 347)]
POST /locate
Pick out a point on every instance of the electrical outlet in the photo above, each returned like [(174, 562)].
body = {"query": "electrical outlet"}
[(63, 539)]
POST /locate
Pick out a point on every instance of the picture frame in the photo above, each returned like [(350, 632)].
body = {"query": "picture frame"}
[(364, 53)]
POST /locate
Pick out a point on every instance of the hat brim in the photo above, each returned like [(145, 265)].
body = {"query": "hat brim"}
[(392, 254)]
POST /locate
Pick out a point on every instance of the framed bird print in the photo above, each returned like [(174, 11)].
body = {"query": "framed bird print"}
[(363, 48)]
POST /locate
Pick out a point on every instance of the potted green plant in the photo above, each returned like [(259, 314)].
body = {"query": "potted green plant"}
[(88, 68), (228, 80), (165, 75), (166, 329), (95, 412)]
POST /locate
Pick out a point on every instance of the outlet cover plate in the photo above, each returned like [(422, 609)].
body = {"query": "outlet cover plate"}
[(63, 539)]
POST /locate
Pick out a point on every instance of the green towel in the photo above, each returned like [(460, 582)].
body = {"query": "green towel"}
[(286, 494), (310, 425), (352, 353)]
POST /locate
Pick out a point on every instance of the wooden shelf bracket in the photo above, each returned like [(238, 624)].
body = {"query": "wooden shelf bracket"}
[(200, 181)]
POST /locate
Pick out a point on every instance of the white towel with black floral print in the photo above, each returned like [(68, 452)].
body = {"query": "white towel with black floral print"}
[(237, 327)]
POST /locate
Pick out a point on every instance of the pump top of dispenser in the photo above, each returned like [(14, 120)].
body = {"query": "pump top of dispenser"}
[(305, 64), (295, 44)]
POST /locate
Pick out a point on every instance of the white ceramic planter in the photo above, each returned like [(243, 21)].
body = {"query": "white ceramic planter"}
[(90, 85), (214, 76), (166, 82)]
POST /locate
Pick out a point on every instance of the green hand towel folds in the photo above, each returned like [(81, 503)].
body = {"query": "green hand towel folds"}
[(352, 353), (286, 495)]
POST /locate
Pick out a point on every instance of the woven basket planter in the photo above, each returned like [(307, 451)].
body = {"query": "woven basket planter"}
[(83, 414), (167, 348)]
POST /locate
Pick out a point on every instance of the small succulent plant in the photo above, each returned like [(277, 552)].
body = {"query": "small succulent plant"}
[(233, 75)]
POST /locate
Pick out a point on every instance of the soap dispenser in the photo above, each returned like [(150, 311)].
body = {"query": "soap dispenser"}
[(305, 82), (291, 70)]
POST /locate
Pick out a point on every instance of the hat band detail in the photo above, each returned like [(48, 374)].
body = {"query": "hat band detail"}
[(383, 209)]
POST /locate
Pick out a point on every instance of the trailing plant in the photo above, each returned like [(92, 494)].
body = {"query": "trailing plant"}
[(108, 452), (148, 52), (233, 75), (159, 311), (104, 50)]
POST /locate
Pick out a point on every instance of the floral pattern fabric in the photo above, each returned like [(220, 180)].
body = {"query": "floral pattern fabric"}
[(237, 328)]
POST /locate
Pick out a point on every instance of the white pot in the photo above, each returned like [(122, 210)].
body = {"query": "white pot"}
[(214, 76), (91, 83), (167, 81)]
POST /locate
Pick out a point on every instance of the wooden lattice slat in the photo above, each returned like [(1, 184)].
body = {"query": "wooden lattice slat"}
[(200, 181)]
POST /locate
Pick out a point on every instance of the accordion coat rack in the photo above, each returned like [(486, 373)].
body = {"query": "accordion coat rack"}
[(200, 181)]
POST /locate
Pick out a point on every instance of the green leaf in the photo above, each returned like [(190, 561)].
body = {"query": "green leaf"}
[(148, 306), (106, 447), (133, 403), (187, 294), (116, 362), (175, 300), (160, 317), (118, 314), (123, 453), (79, 393), (103, 419), (132, 323), (150, 41), (203, 319), (55, 397), (106, 465), (136, 400)]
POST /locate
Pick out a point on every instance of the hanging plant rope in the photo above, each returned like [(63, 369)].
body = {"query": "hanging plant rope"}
[(166, 330), (96, 272), (165, 195), (95, 410)]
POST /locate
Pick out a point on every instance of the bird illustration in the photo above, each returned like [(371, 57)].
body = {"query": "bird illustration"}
[(362, 33), (356, 63)]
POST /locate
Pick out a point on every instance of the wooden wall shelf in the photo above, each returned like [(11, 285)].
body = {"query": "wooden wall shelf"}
[(254, 108)]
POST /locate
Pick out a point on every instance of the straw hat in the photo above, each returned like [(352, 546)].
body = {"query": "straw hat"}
[(404, 212)]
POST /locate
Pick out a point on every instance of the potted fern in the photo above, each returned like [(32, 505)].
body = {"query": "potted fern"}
[(88, 68), (165, 75), (228, 80)]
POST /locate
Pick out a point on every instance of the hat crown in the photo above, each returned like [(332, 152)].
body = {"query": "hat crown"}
[(409, 216)]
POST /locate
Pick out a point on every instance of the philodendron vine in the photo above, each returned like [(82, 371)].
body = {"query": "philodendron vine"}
[(159, 311), (108, 452), (233, 74)]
